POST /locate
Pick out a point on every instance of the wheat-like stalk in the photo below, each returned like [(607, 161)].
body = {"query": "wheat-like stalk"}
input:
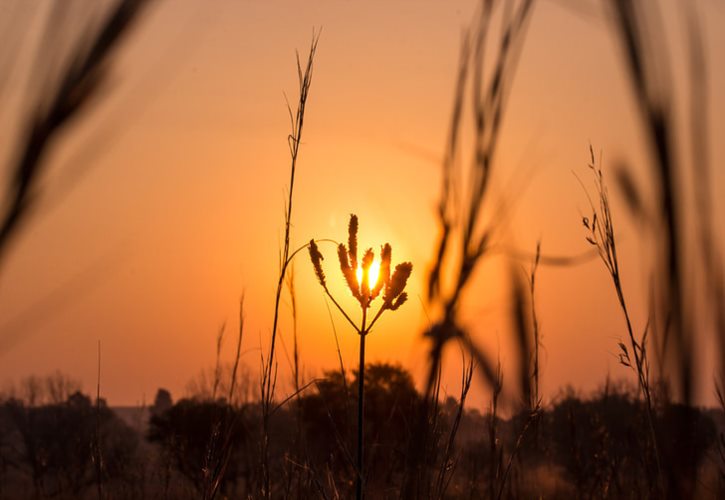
[(394, 296)]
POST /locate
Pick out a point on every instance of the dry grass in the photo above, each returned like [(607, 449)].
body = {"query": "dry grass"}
[(601, 235), (461, 206), (61, 101), (269, 372), (679, 270)]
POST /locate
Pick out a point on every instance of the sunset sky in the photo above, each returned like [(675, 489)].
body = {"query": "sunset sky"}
[(166, 202)]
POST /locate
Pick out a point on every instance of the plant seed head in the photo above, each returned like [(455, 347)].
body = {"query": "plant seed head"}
[(384, 274), (367, 261), (399, 301), (347, 271), (397, 282), (317, 259), (352, 241)]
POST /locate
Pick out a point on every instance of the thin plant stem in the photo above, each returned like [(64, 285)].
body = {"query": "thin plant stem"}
[(97, 445), (535, 376), (361, 411)]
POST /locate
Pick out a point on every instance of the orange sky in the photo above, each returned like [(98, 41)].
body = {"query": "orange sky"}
[(181, 207)]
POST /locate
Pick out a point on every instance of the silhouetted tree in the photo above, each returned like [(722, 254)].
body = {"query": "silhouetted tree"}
[(162, 402), (328, 421), (189, 430), (603, 447), (54, 443), (686, 435)]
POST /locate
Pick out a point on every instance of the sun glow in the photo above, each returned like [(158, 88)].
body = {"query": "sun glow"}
[(374, 273)]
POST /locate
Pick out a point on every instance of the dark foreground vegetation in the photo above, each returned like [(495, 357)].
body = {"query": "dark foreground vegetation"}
[(56, 442)]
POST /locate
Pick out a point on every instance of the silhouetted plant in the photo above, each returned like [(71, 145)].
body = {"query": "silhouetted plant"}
[(601, 235), (642, 35), (221, 443), (269, 371), (461, 205), (357, 277), (448, 462), (62, 99)]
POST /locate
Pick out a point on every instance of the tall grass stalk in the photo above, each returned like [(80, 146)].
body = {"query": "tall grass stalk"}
[(296, 377), (217, 362), (447, 467), (601, 235), (720, 446), (495, 466), (219, 448), (535, 374), (680, 270), (641, 33), (461, 206), (269, 374), (533, 417), (527, 338), (466, 234), (97, 454), (61, 101)]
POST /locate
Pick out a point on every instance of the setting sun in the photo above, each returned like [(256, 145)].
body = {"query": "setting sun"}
[(374, 273)]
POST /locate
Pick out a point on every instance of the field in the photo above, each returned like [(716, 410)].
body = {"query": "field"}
[(535, 367)]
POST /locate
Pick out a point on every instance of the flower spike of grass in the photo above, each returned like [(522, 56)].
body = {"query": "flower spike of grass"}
[(317, 259), (397, 282), (348, 271), (384, 274), (352, 241), (365, 284)]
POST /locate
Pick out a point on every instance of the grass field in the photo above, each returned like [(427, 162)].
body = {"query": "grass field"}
[(369, 428)]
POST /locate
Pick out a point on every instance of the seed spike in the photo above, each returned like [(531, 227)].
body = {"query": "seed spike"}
[(347, 271), (397, 282), (402, 298), (384, 274), (317, 259), (352, 241), (367, 261)]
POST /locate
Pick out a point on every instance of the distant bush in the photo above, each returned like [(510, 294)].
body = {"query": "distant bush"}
[(190, 431), (52, 445)]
